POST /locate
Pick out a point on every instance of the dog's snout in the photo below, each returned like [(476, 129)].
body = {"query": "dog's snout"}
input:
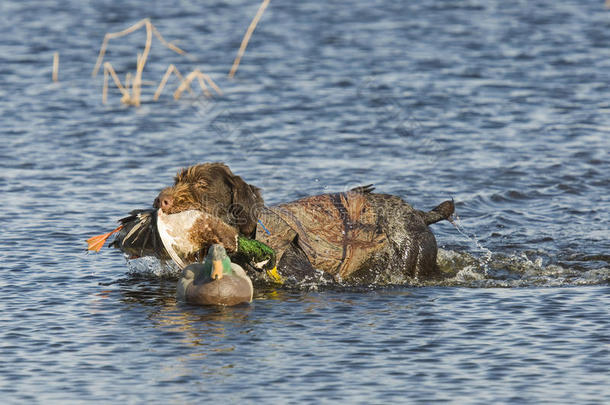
[(165, 203)]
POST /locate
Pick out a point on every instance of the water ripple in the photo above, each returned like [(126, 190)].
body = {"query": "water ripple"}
[(499, 105)]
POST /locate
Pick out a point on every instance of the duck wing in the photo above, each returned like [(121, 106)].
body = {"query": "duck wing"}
[(139, 236)]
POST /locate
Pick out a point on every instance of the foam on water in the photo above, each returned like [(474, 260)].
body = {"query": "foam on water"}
[(497, 270), (151, 267), (458, 268)]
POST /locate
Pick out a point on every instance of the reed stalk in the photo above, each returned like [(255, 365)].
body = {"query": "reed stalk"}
[(108, 69), (246, 39), (201, 78), (131, 97), (170, 69), (56, 67)]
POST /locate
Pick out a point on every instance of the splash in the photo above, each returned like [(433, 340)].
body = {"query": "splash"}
[(457, 223), (459, 269), (151, 267), (503, 271)]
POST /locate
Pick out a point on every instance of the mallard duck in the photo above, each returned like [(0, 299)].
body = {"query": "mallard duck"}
[(216, 281), (184, 237)]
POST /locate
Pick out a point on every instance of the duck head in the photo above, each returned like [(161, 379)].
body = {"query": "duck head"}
[(217, 263)]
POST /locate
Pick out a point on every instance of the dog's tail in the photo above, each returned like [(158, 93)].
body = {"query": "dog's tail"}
[(442, 211)]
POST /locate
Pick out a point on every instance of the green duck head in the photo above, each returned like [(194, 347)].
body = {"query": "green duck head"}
[(217, 263)]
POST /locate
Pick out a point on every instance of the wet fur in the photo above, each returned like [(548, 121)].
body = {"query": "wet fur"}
[(213, 188), (409, 246)]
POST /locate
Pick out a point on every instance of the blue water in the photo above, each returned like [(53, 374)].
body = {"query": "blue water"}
[(501, 105)]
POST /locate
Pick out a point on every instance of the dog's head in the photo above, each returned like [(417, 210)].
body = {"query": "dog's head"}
[(213, 188)]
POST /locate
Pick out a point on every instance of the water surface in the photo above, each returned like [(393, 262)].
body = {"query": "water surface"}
[(501, 105)]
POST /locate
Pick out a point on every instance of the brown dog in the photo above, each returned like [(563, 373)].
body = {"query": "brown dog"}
[(358, 235)]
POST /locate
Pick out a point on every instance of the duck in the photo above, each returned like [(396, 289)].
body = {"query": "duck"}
[(184, 237), (185, 234), (216, 281)]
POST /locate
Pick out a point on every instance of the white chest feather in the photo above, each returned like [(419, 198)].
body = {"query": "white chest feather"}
[(174, 231)]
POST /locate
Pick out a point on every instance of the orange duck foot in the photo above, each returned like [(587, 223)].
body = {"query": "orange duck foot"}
[(95, 243)]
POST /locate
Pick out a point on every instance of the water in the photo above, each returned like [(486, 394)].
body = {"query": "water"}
[(501, 105)]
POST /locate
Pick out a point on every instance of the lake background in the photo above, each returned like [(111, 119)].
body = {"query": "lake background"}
[(503, 106)]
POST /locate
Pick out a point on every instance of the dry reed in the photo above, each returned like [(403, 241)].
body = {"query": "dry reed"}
[(108, 69), (170, 69), (56, 67), (130, 97), (201, 78), (131, 90), (246, 39)]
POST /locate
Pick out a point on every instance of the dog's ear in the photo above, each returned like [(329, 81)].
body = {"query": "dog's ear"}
[(246, 200), (221, 193)]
